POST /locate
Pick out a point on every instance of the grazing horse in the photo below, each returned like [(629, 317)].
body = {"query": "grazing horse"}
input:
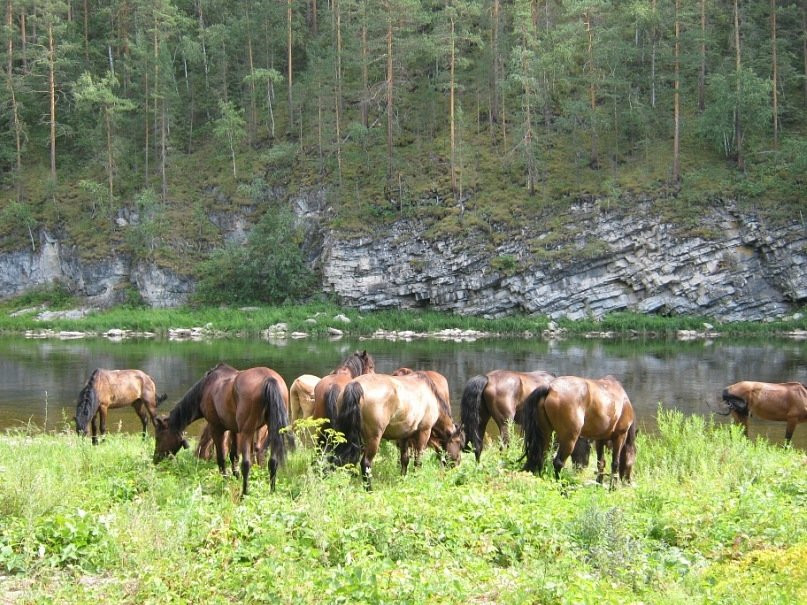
[(301, 396), (573, 407), (230, 400), (783, 401), (441, 387), (406, 409), (107, 389), (329, 388), (499, 395)]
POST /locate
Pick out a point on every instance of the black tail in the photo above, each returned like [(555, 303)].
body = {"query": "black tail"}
[(535, 441), (161, 398), (277, 417), (469, 411), (331, 399), (87, 403), (348, 422)]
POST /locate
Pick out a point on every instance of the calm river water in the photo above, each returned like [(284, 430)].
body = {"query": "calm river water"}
[(40, 379)]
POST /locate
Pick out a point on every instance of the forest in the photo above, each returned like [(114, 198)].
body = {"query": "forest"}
[(129, 123)]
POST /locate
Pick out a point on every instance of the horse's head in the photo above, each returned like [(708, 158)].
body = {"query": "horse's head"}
[(167, 441), (454, 444)]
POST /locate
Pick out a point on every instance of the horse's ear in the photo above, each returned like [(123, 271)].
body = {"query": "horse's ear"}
[(185, 445), (160, 422)]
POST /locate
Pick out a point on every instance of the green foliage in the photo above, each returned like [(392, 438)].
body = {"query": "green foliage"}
[(711, 516), (144, 235), (268, 268)]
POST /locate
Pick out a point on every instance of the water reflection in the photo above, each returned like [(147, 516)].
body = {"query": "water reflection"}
[(44, 377)]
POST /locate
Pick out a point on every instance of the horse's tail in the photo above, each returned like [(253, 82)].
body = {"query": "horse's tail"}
[(161, 398), (331, 399), (88, 403), (534, 439), (348, 422), (277, 417), (469, 410)]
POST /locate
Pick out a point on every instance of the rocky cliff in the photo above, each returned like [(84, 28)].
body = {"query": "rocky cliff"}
[(606, 261)]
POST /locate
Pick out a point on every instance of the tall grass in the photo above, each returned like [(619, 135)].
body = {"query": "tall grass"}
[(711, 516)]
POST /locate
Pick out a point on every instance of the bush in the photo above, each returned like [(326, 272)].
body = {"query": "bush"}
[(269, 268)]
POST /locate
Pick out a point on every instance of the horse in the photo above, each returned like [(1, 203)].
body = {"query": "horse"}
[(783, 401), (572, 407), (329, 388), (204, 448), (107, 389), (407, 409), (441, 387), (499, 395), (301, 396), (231, 400)]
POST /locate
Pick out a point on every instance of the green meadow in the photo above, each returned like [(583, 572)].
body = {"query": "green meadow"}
[(711, 518)]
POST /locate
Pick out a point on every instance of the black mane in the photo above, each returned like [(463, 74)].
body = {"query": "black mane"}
[(187, 409)]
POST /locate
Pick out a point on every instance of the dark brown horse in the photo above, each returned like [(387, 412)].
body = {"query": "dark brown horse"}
[(499, 395), (573, 407), (107, 389), (231, 400), (406, 409), (782, 401), (329, 388)]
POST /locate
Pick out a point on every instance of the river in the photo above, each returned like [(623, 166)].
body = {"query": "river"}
[(40, 379)]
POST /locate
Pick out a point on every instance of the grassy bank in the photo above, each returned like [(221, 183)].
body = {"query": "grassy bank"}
[(317, 318), (712, 518)]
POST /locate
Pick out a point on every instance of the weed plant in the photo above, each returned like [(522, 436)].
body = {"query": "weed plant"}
[(712, 518)]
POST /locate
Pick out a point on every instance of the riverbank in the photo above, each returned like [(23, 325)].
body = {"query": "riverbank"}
[(712, 517), (38, 319)]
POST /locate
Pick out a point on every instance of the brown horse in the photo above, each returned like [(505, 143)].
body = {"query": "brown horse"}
[(783, 401), (574, 407), (231, 400), (441, 387), (329, 388), (301, 396), (107, 389), (407, 409), (499, 395)]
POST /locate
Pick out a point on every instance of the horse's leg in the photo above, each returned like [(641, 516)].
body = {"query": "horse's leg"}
[(244, 443), (791, 426), (370, 450), (403, 445), (102, 412), (234, 446), (600, 459), (741, 419), (565, 447), (94, 427), (139, 408), (617, 443), (421, 441), (218, 441)]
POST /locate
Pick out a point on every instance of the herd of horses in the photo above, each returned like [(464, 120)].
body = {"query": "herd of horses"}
[(249, 412)]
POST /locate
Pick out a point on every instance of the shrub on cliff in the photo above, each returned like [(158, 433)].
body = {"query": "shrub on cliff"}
[(268, 268)]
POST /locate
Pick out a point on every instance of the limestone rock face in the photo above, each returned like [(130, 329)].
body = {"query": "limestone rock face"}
[(743, 271)]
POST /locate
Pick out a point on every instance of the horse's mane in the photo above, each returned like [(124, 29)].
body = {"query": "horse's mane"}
[(444, 407), (87, 402), (187, 409), (357, 363)]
